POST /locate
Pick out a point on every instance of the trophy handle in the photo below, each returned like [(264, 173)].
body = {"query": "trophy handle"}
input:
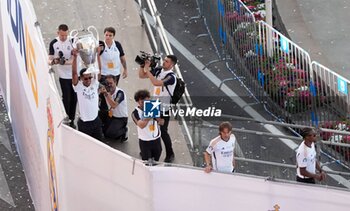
[(73, 34), (96, 32)]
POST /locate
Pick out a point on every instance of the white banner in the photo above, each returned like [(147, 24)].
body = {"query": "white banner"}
[(25, 72), (196, 190), (97, 177)]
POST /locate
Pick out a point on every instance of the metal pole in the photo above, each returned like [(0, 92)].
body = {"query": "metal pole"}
[(268, 8)]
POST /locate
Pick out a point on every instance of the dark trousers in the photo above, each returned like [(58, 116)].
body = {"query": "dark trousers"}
[(306, 180), (69, 97), (165, 135), (115, 127), (150, 149), (92, 128)]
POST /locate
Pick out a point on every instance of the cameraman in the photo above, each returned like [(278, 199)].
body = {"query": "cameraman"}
[(60, 57), (115, 124), (164, 80)]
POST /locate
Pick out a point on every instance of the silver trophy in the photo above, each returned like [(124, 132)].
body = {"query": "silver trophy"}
[(86, 44)]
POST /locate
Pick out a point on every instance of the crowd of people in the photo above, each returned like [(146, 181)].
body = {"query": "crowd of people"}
[(102, 104), (103, 109)]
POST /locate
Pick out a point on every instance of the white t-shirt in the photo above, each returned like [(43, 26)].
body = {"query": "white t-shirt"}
[(222, 153), (306, 157), (122, 109), (152, 129), (66, 47), (87, 100), (110, 60), (162, 93)]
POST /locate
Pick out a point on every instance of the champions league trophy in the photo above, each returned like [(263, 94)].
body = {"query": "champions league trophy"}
[(86, 44)]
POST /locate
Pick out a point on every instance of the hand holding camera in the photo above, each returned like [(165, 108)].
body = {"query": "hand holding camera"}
[(147, 57), (60, 60), (146, 65), (103, 90)]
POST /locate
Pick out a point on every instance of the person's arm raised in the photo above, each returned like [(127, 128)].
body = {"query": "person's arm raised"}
[(75, 77)]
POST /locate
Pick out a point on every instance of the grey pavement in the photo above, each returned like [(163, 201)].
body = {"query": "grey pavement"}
[(321, 28)]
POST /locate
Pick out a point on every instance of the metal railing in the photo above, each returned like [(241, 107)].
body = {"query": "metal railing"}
[(332, 92), (278, 72), (284, 73), (159, 40), (256, 153)]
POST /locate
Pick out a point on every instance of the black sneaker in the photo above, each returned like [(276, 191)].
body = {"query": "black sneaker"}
[(72, 125), (169, 159), (125, 136), (124, 139)]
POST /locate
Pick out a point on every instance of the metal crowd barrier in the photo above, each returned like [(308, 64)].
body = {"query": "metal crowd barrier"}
[(239, 36), (284, 74), (160, 43), (277, 71), (333, 94)]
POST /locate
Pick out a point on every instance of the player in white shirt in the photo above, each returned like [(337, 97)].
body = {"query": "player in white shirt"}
[(219, 155), (88, 96), (60, 57), (307, 162)]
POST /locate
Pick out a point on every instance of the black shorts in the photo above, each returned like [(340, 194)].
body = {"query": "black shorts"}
[(306, 180), (150, 149)]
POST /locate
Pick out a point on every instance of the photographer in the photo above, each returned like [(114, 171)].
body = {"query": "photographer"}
[(60, 57), (164, 80), (115, 124)]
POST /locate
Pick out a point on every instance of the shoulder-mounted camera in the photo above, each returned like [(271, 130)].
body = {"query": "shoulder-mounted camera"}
[(140, 59)]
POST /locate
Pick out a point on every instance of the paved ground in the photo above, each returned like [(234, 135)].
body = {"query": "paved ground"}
[(321, 28)]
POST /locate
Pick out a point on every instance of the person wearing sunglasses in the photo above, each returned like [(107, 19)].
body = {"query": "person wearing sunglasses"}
[(87, 88), (112, 56), (308, 167)]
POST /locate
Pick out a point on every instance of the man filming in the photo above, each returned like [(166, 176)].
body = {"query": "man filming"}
[(164, 81), (60, 57)]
